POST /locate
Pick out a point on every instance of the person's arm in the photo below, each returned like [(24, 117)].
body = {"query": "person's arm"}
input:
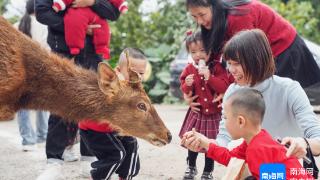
[(222, 155), (47, 16), (196, 142), (306, 119), (219, 80), (106, 10)]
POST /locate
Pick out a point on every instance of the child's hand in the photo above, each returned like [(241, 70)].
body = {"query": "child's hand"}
[(203, 140), (190, 142), (189, 80), (205, 72), (55, 8), (195, 141)]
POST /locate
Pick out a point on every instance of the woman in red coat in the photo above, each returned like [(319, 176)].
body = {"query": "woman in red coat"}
[(221, 19)]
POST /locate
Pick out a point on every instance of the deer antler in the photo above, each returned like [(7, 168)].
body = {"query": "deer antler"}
[(134, 77)]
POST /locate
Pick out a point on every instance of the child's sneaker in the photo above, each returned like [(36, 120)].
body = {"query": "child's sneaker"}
[(69, 155), (206, 176), (190, 173)]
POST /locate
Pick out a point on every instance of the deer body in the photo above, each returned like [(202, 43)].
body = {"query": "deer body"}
[(32, 78)]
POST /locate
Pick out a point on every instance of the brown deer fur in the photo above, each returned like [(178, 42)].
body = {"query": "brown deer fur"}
[(33, 78)]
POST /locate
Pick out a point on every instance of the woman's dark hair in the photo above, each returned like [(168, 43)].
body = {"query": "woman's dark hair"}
[(252, 50), (25, 22), (193, 38), (213, 38)]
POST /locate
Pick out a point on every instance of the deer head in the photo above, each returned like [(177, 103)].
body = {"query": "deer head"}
[(132, 111)]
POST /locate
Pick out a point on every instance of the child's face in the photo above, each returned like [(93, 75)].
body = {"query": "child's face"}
[(236, 71), (231, 121), (138, 65), (198, 52)]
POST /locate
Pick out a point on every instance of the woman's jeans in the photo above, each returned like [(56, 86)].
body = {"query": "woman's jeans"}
[(29, 136)]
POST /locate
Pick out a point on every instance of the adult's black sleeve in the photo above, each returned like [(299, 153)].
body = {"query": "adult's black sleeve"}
[(47, 16), (106, 10)]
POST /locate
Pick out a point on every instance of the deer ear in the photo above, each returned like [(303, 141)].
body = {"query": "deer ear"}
[(107, 79), (134, 78)]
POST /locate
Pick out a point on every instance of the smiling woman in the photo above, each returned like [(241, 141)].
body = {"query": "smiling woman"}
[(249, 57)]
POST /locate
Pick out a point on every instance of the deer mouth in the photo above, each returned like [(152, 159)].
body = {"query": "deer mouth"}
[(158, 142)]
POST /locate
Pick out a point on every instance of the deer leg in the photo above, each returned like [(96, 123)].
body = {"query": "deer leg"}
[(6, 113)]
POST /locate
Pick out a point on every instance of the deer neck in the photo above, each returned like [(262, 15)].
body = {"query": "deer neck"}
[(59, 86)]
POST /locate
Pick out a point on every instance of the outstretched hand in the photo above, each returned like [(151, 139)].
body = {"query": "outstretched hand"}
[(195, 141)]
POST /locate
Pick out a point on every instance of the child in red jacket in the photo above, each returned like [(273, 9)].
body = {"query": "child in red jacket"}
[(76, 21), (205, 78), (114, 153), (243, 113)]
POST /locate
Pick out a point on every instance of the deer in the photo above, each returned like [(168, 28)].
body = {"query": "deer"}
[(34, 78)]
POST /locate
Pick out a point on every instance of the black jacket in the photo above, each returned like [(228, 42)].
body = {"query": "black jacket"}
[(56, 40)]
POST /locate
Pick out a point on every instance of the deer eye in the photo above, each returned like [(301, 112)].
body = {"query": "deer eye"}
[(142, 106)]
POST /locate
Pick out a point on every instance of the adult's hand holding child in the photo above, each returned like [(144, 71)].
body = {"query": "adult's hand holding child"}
[(82, 3), (190, 100), (91, 27), (297, 146)]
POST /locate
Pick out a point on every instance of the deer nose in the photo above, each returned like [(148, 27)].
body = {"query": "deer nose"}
[(169, 137)]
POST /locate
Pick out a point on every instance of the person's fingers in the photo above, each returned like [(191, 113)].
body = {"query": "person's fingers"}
[(194, 130), (195, 97), (195, 143), (195, 109), (301, 154), (74, 4), (183, 140), (291, 148), (188, 134), (218, 98), (286, 140), (189, 141), (296, 150), (195, 104), (94, 26)]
